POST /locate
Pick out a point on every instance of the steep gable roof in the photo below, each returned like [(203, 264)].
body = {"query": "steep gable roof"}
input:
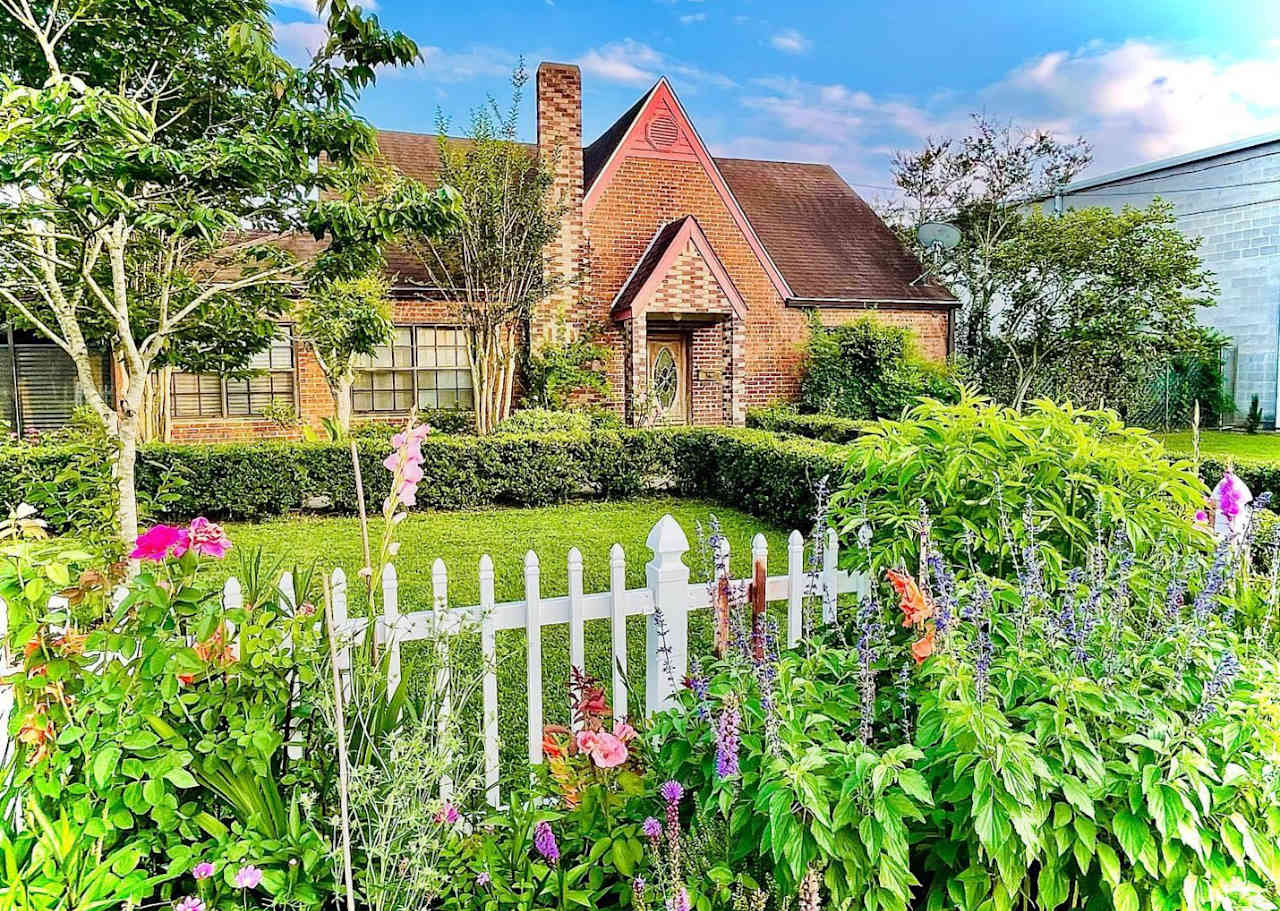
[(657, 126), (829, 244), (661, 253)]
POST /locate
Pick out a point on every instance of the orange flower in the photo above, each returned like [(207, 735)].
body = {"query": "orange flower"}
[(36, 732), (71, 643), (213, 649), (551, 747), (922, 648), (915, 607), (186, 679)]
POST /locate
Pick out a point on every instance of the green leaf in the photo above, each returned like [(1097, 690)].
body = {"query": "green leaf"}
[(1125, 898), (104, 764), (180, 778)]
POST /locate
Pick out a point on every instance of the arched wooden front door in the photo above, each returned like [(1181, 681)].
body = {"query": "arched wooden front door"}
[(669, 377)]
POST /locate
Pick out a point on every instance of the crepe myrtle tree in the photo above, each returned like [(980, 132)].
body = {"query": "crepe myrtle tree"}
[(143, 201), (493, 266), (340, 320)]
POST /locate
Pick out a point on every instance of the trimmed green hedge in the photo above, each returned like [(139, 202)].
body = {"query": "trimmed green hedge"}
[(1260, 474), (815, 426), (767, 474)]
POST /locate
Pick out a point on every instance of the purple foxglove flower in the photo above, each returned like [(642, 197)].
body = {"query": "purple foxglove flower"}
[(671, 791), (727, 741)]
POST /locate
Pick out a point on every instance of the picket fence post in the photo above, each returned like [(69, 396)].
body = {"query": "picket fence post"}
[(667, 638), (391, 627), (618, 619), (489, 655), (829, 578), (795, 588), (577, 622), (340, 630), (533, 639)]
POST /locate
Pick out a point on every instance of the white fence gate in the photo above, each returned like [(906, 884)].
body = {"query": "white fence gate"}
[(666, 600)]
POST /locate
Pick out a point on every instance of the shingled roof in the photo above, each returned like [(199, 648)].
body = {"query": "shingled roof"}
[(827, 242)]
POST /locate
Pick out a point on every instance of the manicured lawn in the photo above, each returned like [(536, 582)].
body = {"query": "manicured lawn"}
[(1221, 442), (459, 538)]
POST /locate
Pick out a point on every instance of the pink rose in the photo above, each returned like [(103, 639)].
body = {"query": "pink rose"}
[(586, 741), (608, 751), (624, 732), (161, 542), (207, 539)]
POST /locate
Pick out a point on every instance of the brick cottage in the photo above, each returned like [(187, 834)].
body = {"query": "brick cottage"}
[(699, 275)]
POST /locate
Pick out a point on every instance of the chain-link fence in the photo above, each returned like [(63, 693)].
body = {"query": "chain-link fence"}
[(1163, 395)]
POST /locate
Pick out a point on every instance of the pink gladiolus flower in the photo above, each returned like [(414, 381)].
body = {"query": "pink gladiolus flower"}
[(608, 751), (412, 473), (624, 732), (190, 903), (202, 870), (207, 539), (1202, 517), (161, 542), (248, 877)]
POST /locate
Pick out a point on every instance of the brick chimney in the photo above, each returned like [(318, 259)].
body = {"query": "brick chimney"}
[(559, 88)]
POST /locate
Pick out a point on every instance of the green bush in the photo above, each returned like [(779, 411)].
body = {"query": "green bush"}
[(980, 469), (1259, 474), (866, 370), (545, 420), (440, 420), (815, 426)]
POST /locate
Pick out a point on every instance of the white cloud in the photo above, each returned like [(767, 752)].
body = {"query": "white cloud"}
[(1134, 102), (632, 62), (628, 61), (690, 18), (791, 41), (298, 41)]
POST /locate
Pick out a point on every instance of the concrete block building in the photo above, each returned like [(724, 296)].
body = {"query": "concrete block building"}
[(1229, 197)]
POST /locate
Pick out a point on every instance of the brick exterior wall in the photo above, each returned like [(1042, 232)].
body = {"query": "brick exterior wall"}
[(931, 327), (559, 91)]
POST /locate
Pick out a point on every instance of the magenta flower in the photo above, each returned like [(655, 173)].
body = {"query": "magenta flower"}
[(207, 539), (651, 827), (202, 870), (160, 543), (1231, 495), (447, 815), (247, 877), (1202, 517), (190, 903)]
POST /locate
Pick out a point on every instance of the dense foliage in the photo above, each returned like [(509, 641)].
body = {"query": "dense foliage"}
[(978, 467), (780, 419), (771, 476), (867, 369)]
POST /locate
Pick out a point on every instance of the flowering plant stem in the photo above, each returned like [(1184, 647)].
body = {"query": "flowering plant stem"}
[(340, 724)]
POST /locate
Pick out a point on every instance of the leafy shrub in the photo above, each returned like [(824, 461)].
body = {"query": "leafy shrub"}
[(162, 743), (545, 420), (866, 370), (979, 467), (440, 420), (1253, 420), (556, 372), (815, 426), (987, 742)]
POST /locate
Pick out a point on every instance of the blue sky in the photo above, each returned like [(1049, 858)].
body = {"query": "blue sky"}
[(850, 82)]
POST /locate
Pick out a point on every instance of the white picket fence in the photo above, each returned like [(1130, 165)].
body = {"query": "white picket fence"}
[(666, 600)]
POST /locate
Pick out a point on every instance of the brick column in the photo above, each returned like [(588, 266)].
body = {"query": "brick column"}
[(559, 91)]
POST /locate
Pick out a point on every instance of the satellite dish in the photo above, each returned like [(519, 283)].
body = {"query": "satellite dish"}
[(937, 235)]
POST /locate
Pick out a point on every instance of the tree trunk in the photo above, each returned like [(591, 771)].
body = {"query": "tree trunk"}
[(340, 389), (126, 481)]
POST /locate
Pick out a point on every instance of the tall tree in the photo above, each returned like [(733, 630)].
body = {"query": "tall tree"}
[(1095, 295), (493, 265), (151, 155), (980, 183)]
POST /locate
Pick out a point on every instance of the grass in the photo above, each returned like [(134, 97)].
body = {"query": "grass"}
[(460, 538), (1222, 442)]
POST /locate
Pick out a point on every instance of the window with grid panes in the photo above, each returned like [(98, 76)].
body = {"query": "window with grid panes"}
[(422, 364), (207, 396)]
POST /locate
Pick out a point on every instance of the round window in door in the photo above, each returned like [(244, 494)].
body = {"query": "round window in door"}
[(666, 378)]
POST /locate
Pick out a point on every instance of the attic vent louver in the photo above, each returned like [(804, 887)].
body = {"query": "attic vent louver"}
[(662, 132)]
